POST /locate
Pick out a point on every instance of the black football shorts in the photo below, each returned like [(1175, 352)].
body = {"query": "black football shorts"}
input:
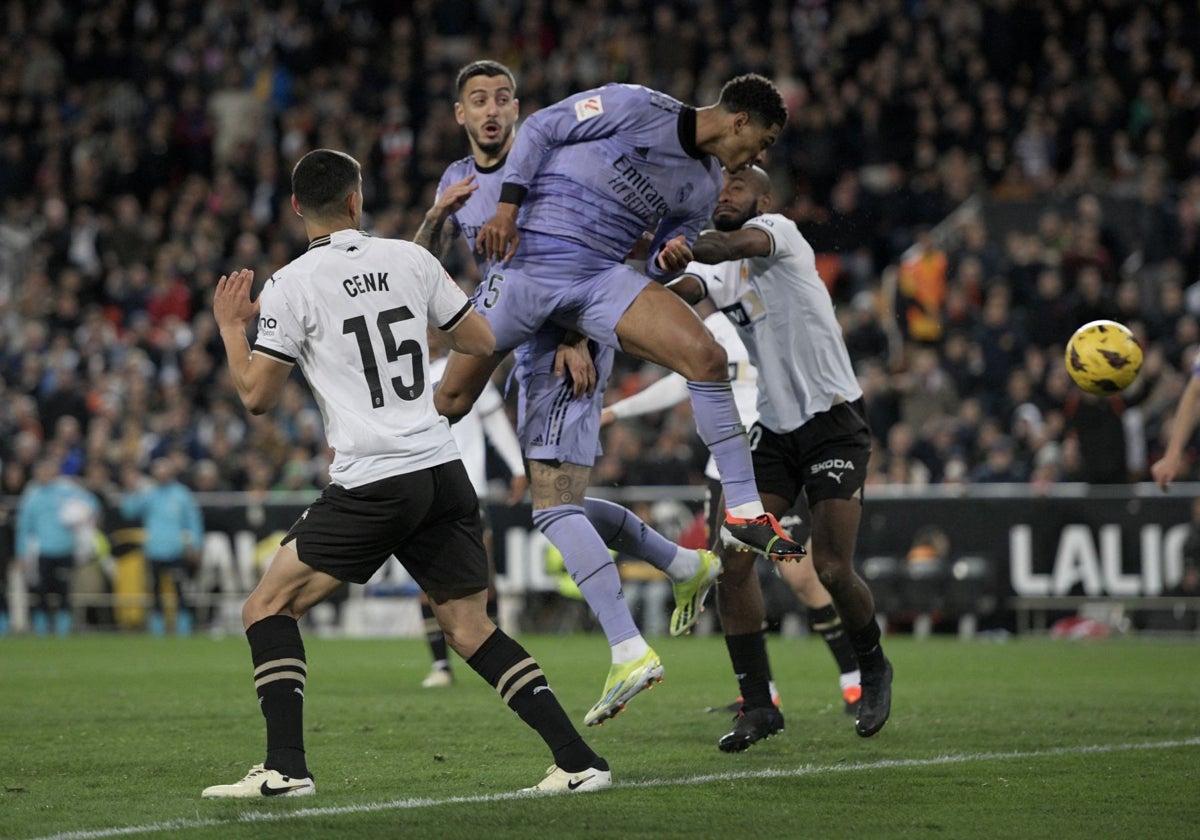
[(429, 519), (826, 458)]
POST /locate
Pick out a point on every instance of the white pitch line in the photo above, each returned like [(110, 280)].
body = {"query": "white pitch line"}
[(427, 802)]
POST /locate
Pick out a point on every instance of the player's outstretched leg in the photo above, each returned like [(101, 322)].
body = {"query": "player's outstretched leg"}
[(762, 534), (692, 572), (280, 673), (690, 593), (520, 682), (625, 681)]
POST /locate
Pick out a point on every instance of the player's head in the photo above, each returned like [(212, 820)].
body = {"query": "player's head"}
[(327, 187), (755, 114), (746, 193), (487, 106)]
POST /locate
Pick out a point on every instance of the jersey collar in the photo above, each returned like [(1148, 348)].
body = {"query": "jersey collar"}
[(686, 128), (321, 241)]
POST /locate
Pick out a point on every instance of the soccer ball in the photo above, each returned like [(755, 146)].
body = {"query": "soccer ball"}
[(1103, 357)]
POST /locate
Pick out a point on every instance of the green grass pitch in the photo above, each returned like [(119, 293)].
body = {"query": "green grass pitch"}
[(116, 737)]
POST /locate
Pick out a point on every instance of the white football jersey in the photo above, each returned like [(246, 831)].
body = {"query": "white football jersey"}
[(352, 312), (784, 315)]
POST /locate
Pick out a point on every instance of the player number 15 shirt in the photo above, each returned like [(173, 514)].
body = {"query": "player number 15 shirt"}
[(352, 312)]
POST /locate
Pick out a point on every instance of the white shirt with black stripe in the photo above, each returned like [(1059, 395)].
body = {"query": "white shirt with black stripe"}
[(784, 316), (352, 312)]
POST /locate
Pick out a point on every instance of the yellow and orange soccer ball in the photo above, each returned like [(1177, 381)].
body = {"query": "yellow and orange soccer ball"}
[(1103, 357)]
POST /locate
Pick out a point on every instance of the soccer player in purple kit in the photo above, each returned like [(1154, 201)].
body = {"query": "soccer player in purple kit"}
[(558, 426), (589, 175)]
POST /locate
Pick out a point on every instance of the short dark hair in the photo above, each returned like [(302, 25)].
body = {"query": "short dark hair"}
[(322, 180), (483, 67), (757, 96)]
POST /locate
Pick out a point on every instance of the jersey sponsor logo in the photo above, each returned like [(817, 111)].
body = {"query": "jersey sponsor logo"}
[(267, 323), (360, 283), (833, 464), (636, 191), (586, 109), (736, 312)]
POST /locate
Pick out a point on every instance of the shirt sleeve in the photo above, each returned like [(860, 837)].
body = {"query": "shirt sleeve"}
[(498, 429), (447, 303), (280, 334), (771, 227)]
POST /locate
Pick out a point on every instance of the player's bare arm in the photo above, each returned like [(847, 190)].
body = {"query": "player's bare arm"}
[(498, 238), (472, 336), (431, 235), (1165, 470), (716, 246), (689, 287), (259, 379)]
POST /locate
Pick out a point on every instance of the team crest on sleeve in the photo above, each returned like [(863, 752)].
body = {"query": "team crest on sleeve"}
[(585, 109)]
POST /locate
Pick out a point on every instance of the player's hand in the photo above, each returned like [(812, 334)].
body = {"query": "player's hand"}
[(498, 238), (674, 255), (1164, 470), (517, 485), (455, 196), (607, 418), (641, 249), (232, 307), (573, 357)]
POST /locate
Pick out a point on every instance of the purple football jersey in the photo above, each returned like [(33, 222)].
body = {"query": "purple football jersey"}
[(604, 166), (481, 206)]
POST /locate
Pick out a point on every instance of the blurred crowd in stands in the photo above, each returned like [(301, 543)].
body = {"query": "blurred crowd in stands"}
[(979, 178)]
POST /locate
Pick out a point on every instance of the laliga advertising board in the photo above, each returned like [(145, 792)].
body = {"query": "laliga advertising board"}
[(1096, 542)]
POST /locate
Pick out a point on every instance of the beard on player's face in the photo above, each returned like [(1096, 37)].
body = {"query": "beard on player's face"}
[(493, 144), (729, 218)]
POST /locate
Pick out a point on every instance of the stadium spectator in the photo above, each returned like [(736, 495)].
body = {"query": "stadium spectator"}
[(109, 178)]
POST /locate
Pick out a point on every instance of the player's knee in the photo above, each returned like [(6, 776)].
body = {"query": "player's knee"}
[(707, 362), (833, 576)]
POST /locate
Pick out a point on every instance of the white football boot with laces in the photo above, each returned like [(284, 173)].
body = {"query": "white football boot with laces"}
[(261, 783), (558, 780)]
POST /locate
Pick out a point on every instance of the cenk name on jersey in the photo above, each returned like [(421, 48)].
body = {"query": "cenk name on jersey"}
[(360, 283)]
